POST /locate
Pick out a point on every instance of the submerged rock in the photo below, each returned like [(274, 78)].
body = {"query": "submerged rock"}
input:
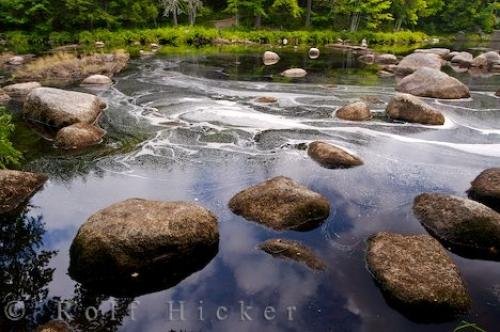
[(468, 227), (294, 250), (17, 187), (282, 204), (97, 80), (357, 111), (138, 246), (79, 135), (270, 58), (486, 188), (60, 108), (20, 90), (294, 73), (409, 108), (266, 99), (415, 61), (417, 276), (330, 156), (427, 82)]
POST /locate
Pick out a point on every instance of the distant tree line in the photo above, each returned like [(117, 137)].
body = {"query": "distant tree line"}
[(44, 16)]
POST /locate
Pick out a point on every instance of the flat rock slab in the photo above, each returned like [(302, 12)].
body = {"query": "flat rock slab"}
[(139, 246), (330, 156), (486, 188), (293, 250), (409, 108), (416, 275), (21, 90), (59, 108), (469, 228), (281, 203), (428, 82), (78, 136), (17, 187)]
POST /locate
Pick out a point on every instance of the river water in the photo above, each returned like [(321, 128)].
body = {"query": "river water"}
[(203, 137)]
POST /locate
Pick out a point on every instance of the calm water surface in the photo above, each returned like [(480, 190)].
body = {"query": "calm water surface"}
[(204, 138)]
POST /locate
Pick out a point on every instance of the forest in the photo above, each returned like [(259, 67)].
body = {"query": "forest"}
[(433, 16)]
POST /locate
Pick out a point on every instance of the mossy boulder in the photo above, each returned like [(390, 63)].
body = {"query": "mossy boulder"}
[(281, 203)]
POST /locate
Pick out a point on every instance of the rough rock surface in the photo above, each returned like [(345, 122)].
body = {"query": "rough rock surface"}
[(20, 90), (427, 82), (414, 61), (281, 203), (4, 98), (54, 326), (17, 187), (294, 73), (266, 99), (417, 275), (294, 250), (486, 188), (330, 156), (409, 108), (144, 245), (468, 227), (357, 111), (79, 135), (59, 108), (97, 80)]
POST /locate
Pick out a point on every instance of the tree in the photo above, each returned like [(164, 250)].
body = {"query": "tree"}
[(308, 13), (174, 7), (246, 7), (192, 7)]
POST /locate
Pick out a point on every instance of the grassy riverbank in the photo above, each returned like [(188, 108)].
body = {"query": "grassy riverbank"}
[(22, 42)]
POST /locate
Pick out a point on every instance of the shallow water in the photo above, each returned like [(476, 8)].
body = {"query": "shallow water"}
[(207, 139)]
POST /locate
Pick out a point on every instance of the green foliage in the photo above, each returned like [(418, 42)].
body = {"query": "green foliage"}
[(9, 156)]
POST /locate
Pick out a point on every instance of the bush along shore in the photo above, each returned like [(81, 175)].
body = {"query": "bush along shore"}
[(23, 42)]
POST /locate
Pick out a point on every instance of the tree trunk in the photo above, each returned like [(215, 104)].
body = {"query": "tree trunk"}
[(174, 14), (399, 23), (258, 21), (308, 13)]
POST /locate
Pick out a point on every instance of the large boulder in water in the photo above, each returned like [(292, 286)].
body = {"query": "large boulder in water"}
[(468, 227), (427, 82), (270, 58), (59, 108), (486, 60), (330, 156), (21, 90), (17, 187), (79, 135), (139, 246), (409, 108), (417, 276), (294, 250), (462, 59), (486, 188), (282, 204), (415, 61), (357, 111)]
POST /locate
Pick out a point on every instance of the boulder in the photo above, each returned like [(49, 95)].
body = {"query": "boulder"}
[(415, 61), (357, 111), (59, 108), (54, 326), (20, 90), (97, 80), (386, 59), (332, 157), (410, 108), (368, 58), (293, 250), (313, 53), (485, 60), (441, 52), (417, 276), (428, 82), (384, 74), (16, 60), (486, 188), (139, 246), (17, 188), (79, 135), (497, 93), (462, 59), (270, 58), (468, 227), (266, 99), (99, 44), (294, 73), (282, 204), (4, 98)]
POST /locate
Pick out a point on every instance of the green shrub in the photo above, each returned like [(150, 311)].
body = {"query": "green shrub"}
[(9, 156)]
